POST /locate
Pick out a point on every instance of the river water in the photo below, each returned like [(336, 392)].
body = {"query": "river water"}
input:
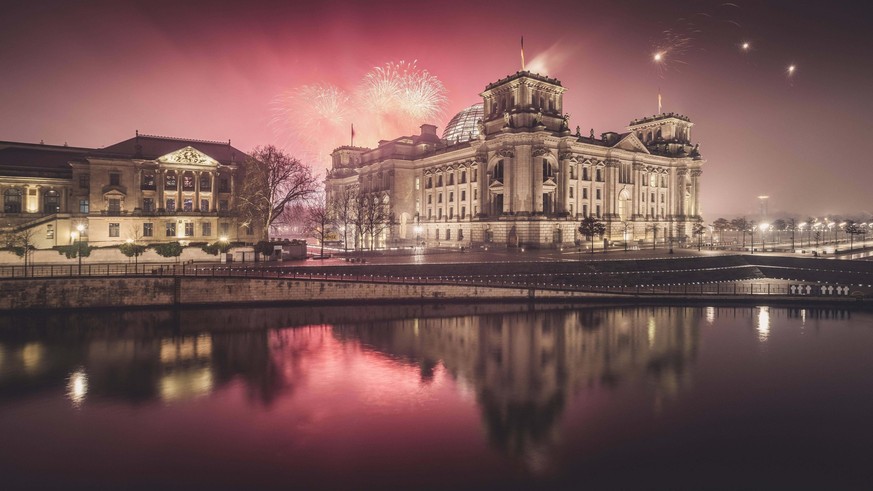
[(452, 397)]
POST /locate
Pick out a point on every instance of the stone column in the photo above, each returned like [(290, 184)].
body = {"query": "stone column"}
[(538, 204), (180, 176), (197, 190), (160, 179), (213, 193), (482, 179), (609, 189), (563, 182), (509, 179), (638, 189), (695, 191), (680, 191)]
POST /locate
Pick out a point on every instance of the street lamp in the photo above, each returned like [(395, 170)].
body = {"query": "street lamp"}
[(80, 228), (764, 227)]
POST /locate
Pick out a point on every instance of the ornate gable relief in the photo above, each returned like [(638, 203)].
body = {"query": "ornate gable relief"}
[(188, 156), (632, 144)]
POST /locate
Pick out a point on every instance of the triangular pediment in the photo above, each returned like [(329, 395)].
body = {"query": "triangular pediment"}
[(188, 156), (632, 144)]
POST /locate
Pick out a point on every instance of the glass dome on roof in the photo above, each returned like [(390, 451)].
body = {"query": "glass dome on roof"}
[(463, 127)]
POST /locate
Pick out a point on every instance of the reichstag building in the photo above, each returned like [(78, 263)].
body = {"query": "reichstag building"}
[(511, 171)]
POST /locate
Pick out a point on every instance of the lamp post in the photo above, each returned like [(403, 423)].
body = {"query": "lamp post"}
[(764, 227), (80, 228)]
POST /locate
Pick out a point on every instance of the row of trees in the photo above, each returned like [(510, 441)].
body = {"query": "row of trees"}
[(813, 228), (592, 227), (348, 215)]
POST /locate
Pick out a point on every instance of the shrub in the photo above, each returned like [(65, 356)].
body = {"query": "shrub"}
[(170, 249), (216, 247)]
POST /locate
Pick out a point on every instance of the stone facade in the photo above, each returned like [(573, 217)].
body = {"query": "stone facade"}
[(149, 189), (524, 178)]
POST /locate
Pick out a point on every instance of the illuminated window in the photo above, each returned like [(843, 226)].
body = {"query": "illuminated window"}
[(189, 229), (148, 229), (187, 204), (114, 230), (170, 182), (84, 206), (204, 205), (207, 229), (51, 202), (171, 229), (171, 205)]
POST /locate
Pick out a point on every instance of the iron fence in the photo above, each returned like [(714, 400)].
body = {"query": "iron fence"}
[(719, 288)]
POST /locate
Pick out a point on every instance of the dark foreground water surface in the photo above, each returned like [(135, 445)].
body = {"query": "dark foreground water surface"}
[(453, 397)]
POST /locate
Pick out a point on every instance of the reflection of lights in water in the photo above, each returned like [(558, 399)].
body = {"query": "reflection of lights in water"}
[(710, 315), (763, 323), (186, 349), (31, 356), (802, 317), (415, 326), (185, 384), (77, 387), (651, 330)]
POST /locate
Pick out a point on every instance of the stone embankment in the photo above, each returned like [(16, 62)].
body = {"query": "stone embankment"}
[(69, 293)]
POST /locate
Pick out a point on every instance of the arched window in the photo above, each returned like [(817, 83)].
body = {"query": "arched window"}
[(51, 202), (12, 201)]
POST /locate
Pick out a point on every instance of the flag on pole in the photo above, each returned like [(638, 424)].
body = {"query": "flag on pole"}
[(353, 134), (522, 53)]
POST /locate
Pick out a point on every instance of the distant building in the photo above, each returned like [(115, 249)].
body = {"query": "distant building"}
[(148, 188), (511, 171)]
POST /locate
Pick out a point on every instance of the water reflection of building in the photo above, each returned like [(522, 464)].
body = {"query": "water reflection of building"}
[(137, 369), (526, 367)]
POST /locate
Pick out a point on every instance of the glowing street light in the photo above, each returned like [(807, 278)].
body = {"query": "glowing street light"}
[(80, 228), (764, 227)]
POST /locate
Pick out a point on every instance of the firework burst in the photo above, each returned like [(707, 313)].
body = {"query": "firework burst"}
[(303, 116), (403, 89)]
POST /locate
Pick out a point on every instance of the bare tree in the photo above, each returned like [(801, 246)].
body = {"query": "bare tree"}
[(344, 207), (273, 180), (21, 244), (375, 218), (319, 218)]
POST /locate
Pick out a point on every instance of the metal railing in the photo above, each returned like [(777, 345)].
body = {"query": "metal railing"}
[(535, 282)]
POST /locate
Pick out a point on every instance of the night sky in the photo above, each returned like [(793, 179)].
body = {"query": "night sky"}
[(91, 73)]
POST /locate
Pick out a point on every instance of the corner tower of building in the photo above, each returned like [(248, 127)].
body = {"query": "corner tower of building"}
[(524, 100)]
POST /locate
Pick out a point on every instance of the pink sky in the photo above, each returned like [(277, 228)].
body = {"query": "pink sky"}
[(91, 73)]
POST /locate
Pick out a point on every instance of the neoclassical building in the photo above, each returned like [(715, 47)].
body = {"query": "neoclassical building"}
[(148, 188), (511, 171)]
